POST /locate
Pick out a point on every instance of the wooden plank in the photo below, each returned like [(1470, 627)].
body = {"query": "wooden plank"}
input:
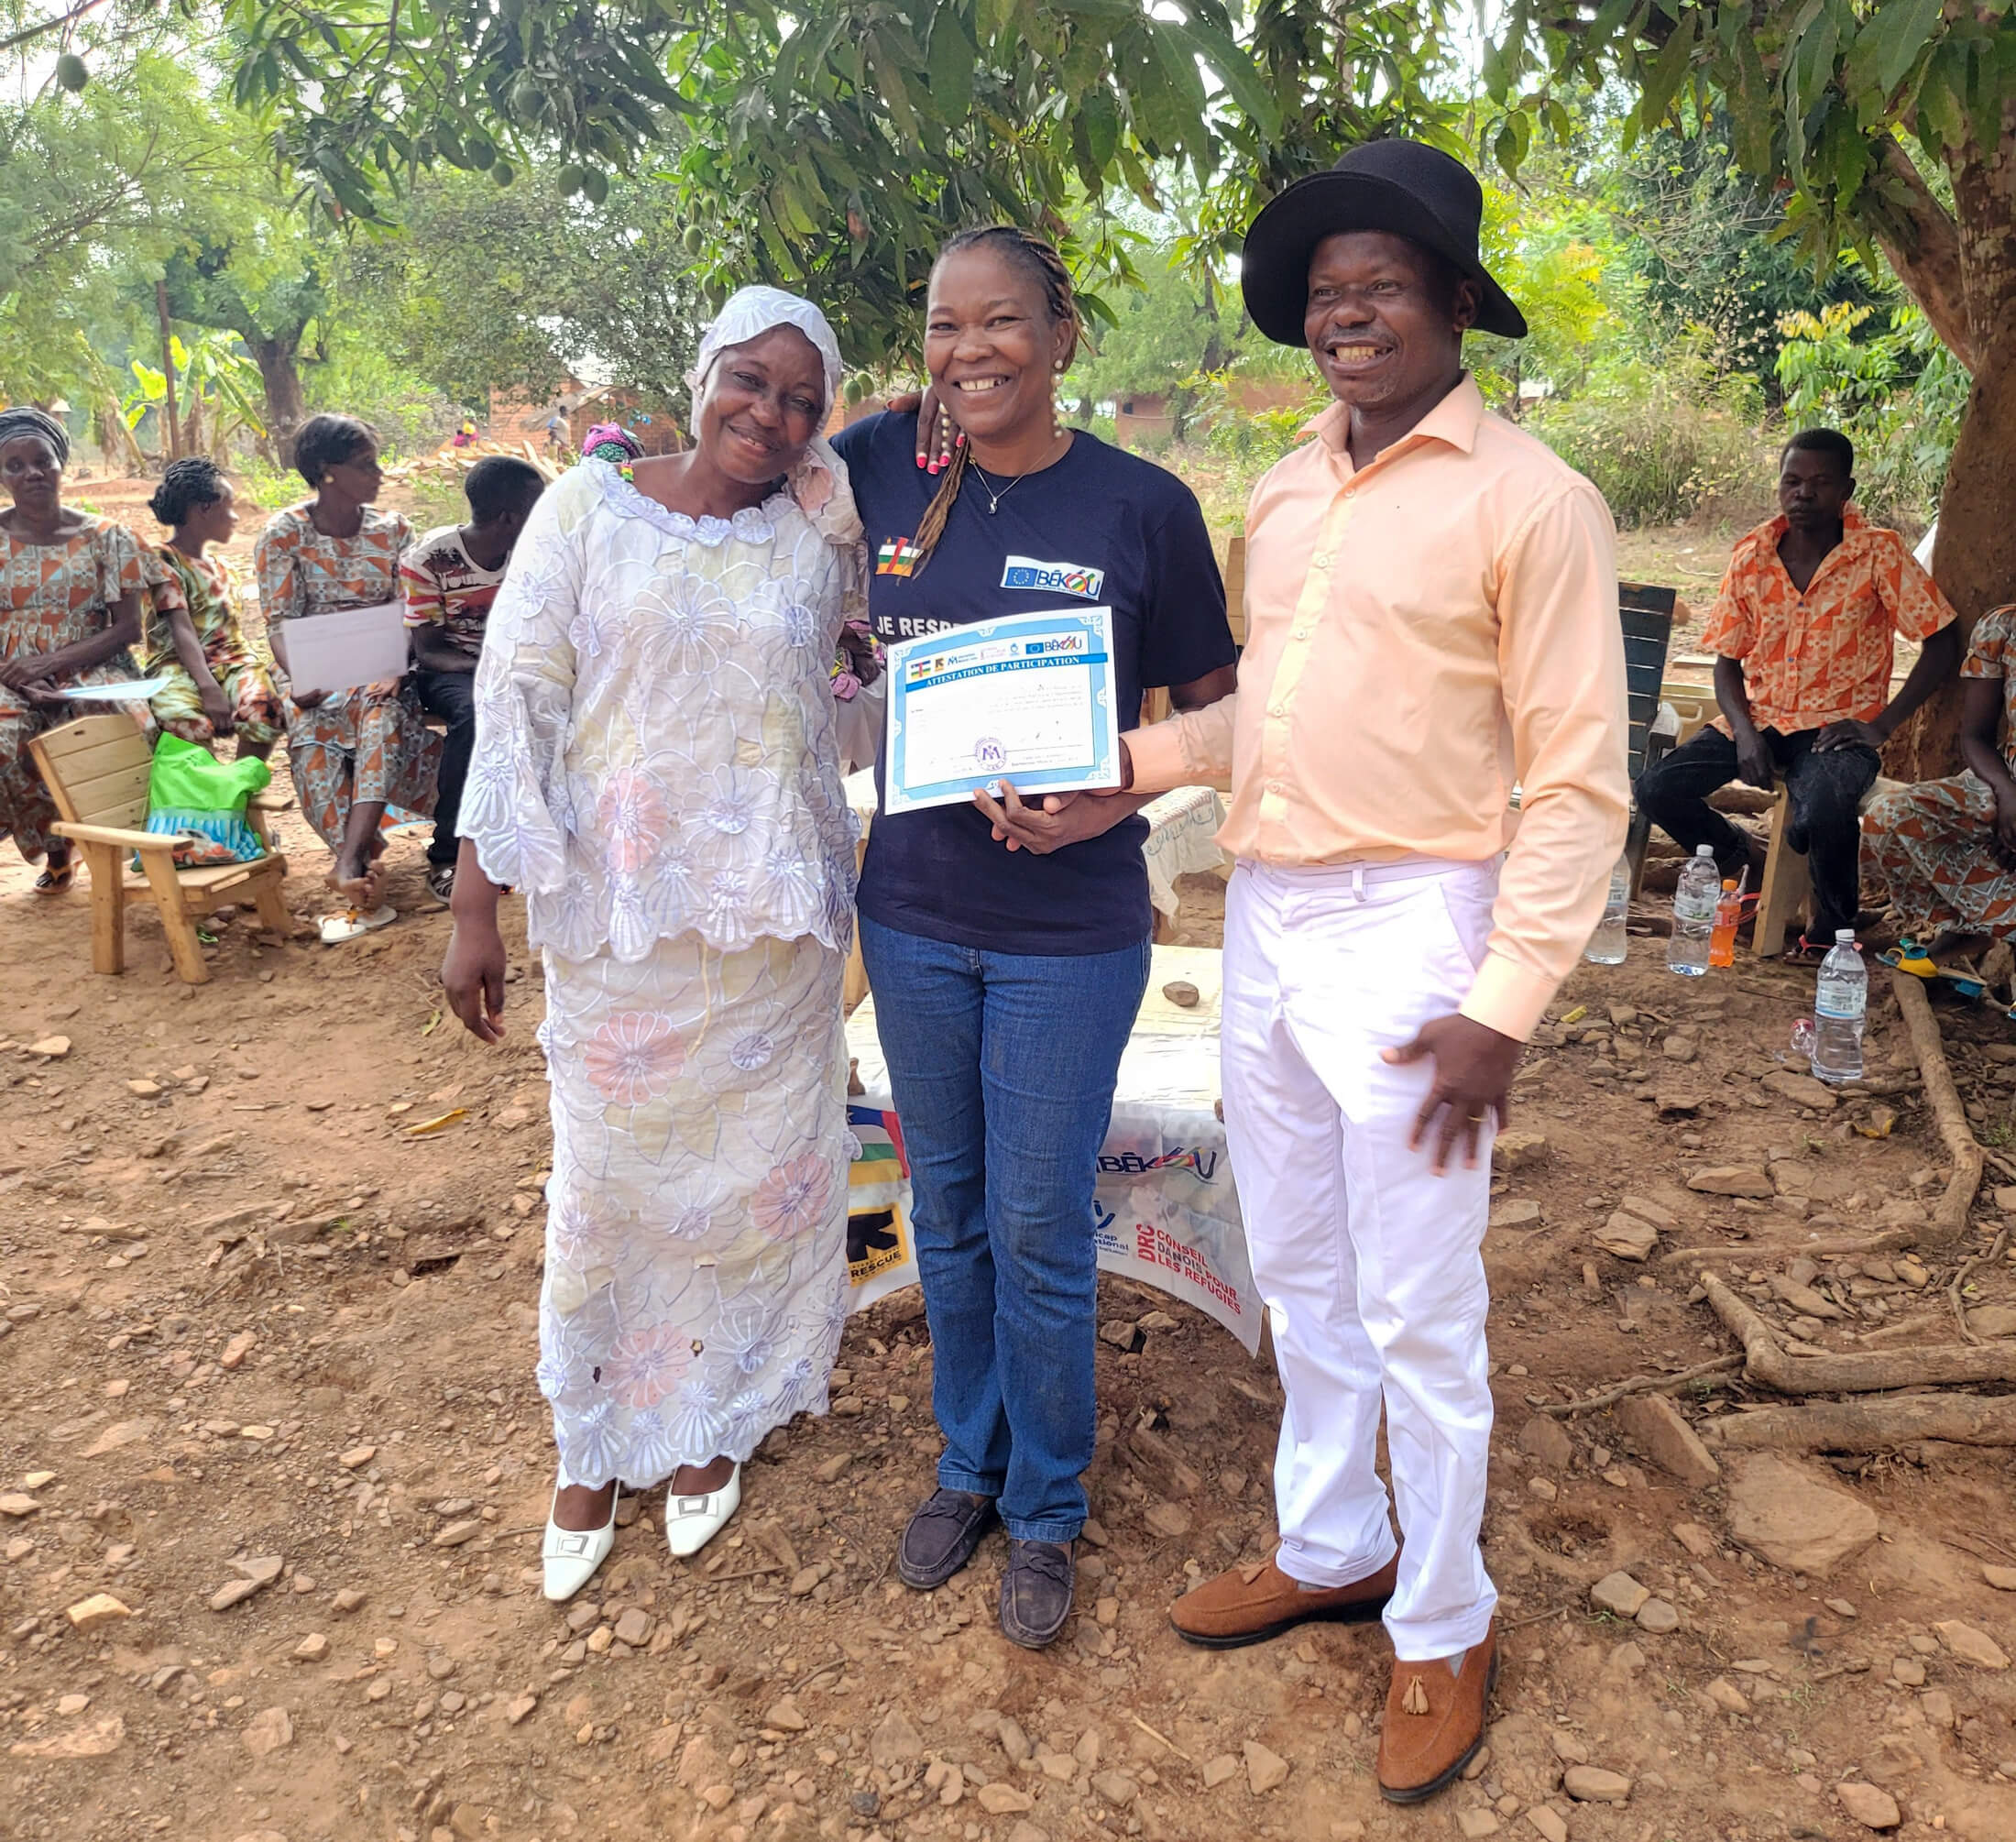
[(83, 732), (107, 910), (183, 947), (209, 881), (267, 897), (118, 797), (1782, 899), (1235, 587)]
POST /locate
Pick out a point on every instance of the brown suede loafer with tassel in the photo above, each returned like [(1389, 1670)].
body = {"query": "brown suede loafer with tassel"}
[(1434, 1722), (1250, 1603)]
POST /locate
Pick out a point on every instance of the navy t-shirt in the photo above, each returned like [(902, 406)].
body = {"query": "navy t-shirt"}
[(1101, 527)]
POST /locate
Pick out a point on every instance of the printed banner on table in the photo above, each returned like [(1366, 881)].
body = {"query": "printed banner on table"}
[(1165, 1214)]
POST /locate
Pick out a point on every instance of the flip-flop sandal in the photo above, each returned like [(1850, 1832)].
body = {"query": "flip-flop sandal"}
[(337, 928), (1907, 956), (56, 882), (1804, 952)]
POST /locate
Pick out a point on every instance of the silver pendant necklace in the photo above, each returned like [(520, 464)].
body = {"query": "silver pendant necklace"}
[(987, 487)]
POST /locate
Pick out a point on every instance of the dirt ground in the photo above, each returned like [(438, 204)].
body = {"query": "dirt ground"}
[(265, 1380)]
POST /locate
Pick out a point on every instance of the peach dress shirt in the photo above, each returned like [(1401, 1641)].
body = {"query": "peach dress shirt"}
[(1422, 633)]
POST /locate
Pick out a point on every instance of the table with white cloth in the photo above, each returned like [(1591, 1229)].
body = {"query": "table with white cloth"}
[(1165, 1211), (1182, 838)]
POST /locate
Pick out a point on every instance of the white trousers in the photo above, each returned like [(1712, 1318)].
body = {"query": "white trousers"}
[(1370, 1265)]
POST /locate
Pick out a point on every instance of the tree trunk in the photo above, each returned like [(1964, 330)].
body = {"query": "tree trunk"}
[(286, 410), (174, 447), (1974, 559), (115, 439)]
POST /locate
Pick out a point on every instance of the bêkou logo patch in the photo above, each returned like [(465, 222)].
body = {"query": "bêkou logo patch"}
[(1054, 578)]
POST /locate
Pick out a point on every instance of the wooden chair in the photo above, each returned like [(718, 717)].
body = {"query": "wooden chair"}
[(1647, 612), (1788, 881), (96, 769)]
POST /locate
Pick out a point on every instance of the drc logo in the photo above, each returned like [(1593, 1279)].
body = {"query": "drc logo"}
[(1053, 578)]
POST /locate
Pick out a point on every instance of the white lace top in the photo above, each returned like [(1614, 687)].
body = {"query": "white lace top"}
[(655, 749)]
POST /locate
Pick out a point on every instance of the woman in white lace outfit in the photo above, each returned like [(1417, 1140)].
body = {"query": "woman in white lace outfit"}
[(656, 769)]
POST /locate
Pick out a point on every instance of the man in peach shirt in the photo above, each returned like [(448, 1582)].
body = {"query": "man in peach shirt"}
[(1432, 616)]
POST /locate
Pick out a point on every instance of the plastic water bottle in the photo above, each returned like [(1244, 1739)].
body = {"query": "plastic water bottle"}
[(1607, 945), (1728, 914), (1693, 914), (1837, 1011)]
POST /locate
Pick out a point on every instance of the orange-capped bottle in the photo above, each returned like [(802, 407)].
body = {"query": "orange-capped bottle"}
[(1722, 936)]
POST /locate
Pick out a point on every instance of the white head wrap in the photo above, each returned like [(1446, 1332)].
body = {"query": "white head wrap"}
[(818, 483)]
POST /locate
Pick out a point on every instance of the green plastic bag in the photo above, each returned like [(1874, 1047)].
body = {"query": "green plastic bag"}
[(192, 795)]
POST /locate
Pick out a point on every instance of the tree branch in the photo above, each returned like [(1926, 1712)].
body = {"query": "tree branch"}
[(1923, 244), (55, 24)]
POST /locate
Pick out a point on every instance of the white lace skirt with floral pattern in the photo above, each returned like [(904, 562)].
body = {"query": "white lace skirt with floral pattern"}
[(696, 1227)]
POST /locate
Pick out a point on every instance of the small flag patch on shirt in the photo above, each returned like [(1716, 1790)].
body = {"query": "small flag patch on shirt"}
[(898, 556)]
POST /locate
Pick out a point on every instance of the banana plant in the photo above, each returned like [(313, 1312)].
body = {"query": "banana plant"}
[(219, 391)]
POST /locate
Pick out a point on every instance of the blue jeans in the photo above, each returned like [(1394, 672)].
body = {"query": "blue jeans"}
[(1001, 1067)]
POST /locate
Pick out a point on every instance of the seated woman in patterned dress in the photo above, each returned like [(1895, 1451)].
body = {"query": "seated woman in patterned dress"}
[(70, 608), (217, 686), (1947, 847), (356, 755)]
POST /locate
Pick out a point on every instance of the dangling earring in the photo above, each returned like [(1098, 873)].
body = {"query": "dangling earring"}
[(1056, 419)]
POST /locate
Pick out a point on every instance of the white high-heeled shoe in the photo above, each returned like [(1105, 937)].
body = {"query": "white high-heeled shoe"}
[(568, 1557), (691, 1522)]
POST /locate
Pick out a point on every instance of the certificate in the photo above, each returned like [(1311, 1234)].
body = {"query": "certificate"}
[(352, 646), (1026, 698)]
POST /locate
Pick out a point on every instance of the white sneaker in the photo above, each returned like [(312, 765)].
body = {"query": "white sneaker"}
[(568, 1557), (691, 1522)]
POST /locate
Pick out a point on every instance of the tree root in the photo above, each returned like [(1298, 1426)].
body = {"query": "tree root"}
[(1762, 1253), (1960, 1278), (1766, 1361), (1869, 1425), (1949, 1219), (1645, 1385)]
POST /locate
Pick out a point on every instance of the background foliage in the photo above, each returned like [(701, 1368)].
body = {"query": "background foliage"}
[(341, 215)]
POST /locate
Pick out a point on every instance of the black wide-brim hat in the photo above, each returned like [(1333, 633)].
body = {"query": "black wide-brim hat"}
[(1401, 187)]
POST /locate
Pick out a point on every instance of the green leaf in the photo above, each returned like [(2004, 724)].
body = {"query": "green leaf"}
[(1668, 72), (1234, 67), (951, 67), (1900, 31)]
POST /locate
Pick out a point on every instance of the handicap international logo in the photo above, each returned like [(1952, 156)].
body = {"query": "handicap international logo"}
[(1052, 578), (898, 556)]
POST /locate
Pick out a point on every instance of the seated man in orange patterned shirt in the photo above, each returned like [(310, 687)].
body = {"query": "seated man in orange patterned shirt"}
[(1803, 629)]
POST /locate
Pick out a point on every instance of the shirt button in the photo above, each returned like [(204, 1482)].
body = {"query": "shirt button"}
[(1322, 562)]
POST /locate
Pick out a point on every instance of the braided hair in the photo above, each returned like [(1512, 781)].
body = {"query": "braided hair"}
[(1037, 258), (186, 485), (25, 420)]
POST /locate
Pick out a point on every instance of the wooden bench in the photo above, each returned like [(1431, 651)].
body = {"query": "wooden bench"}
[(1788, 882), (96, 769)]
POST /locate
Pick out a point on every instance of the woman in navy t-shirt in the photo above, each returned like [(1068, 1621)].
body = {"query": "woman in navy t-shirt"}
[(1008, 944)]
